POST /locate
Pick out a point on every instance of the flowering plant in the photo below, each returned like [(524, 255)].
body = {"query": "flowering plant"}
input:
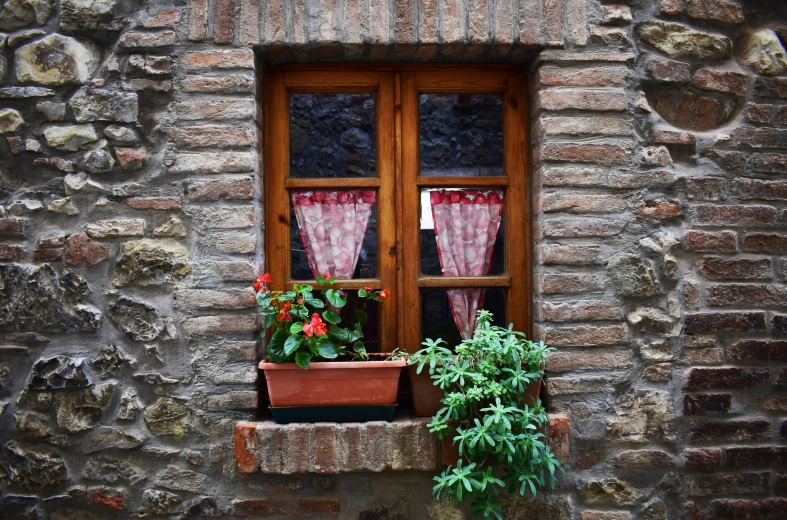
[(307, 324)]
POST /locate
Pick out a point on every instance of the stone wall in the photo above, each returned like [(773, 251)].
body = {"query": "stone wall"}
[(130, 228)]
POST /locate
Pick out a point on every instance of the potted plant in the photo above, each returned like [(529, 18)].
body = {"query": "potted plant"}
[(486, 414), (313, 360)]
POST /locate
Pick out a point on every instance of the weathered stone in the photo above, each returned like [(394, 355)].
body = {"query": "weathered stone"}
[(167, 417), (57, 373), (650, 319), (645, 415), (70, 138), (644, 459), (174, 227), (151, 262), (52, 110), (83, 251), (655, 511), (137, 320), (609, 490), (153, 378), (33, 425), (106, 437), (34, 468), (10, 121), (39, 299), (113, 470), (116, 228), (129, 407), (678, 41), (762, 50), (206, 506), (719, 10), (69, 513), (120, 134), (98, 161), (632, 276), (447, 510), (160, 502), (178, 479), (56, 60), (98, 104), (82, 410), (16, 14), (110, 361), (64, 206), (81, 15)]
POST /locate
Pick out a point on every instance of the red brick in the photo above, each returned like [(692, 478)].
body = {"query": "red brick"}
[(274, 28), (720, 10), (759, 137), (249, 23), (759, 113), (245, 446), (583, 203), (756, 189), (704, 356), (571, 360), (12, 227), (669, 71), (711, 189), (553, 21), (583, 336), (11, 253), (736, 431), (742, 457), (575, 254), (769, 162), (141, 40), (575, 99), (659, 372), (758, 351), (705, 460), (149, 85), (228, 188), (736, 509), (728, 377), (226, 84), (112, 498), (728, 161), (731, 215), (155, 202), (130, 158), (222, 109), (710, 242), (48, 255), (676, 138), (720, 81), (611, 76), (722, 268), (588, 460), (82, 251), (748, 483), (746, 295), (224, 324), (586, 153), (162, 20), (702, 404), (579, 310), (581, 228), (198, 20), (219, 59), (212, 136), (213, 162), (585, 125), (714, 322), (567, 283), (779, 324), (283, 507), (764, 243), (530, 23), (672, 6), (659, 209), (223, 20)]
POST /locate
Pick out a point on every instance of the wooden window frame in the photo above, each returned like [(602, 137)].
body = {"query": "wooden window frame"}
[(398, 185)]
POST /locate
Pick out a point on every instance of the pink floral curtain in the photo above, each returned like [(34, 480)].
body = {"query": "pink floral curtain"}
[(466, 223), (332, 226)]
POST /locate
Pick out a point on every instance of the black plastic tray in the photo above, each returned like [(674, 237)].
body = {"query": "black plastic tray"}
[(340, 414)]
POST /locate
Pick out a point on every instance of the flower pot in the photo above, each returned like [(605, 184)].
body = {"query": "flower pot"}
[(334, 383), (426, 396)]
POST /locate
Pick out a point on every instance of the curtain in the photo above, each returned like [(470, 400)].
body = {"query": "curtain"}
[(332, 226), (466, 223)]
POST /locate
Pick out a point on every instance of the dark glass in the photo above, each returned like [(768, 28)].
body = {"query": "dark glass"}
[(430, 259), (461, 135), (365, 267), (371, 336), (437, 320), (333, 135)]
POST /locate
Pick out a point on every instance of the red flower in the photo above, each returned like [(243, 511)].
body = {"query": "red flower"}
[(326, 276), (259, 285), (283, 314), (385, 293), (317, 326), (368, 289), (266, 278)]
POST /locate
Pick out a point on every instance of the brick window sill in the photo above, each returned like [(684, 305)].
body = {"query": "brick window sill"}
[(404, 444)]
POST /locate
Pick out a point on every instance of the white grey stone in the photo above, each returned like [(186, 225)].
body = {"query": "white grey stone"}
[(16, 14), (120, 134), (20, 207), (56, 60), (65, 206), (129, 405), (98, 161), (10, 121), (25, 92), (82, 15), (763, 51), (97, 104), (71, 137), (116, 228), (82, 410), (52, 110)]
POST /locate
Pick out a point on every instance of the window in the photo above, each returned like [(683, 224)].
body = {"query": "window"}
[(411, 178)]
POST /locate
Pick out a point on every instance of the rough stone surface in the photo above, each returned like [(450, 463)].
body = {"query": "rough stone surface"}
[(78, 15), (82, 410), (95, 104), (151, 262), (70, 138), (34, 467), (10, 121), (633, 276), (679, 41), (17, 14), (106, 437), (56, 60), (57, 373), (110, 361), (161, 502), (763, 51), (138, 320), (167, 417)]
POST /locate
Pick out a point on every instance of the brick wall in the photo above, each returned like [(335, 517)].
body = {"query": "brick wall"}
[(130, 228)]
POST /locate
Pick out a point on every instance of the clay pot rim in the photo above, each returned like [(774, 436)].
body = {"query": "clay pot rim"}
[(334, 365)]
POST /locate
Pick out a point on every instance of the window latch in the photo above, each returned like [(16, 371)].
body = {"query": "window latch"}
[(392, 251)]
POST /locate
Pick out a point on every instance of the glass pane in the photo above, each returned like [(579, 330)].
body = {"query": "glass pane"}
[(438, 311), (461, 134), (371, 338), (333, 232), (333, 135), (462, 232)]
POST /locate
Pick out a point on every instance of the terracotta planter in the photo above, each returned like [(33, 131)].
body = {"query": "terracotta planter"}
[(426, 396), (335, 383)]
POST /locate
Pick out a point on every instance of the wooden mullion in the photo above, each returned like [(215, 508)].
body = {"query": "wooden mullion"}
[(459, 81), (386, 208), (460, 282), (277, 211), (331, 81), (400, 291), (462, 182), (332, 183)]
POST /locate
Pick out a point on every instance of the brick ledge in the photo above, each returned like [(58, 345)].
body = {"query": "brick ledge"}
[(331, 448)]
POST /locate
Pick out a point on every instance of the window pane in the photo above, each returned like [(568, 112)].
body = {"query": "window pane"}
[(332, 135), (437, 318), (371, 337), (333, 232), (461, 134), (462, 232)]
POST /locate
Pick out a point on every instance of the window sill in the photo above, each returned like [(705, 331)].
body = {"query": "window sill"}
[(404, 444)]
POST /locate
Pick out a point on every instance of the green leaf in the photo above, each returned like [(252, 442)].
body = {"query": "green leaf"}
[(292, 344), (322, 281), (296, 327), (289, 295), (327, 348), (335, 298), (361, 316), (314, 302), (341, 334), (306, 288), (332, 317), (276, 346), (359, 347), (303, 359)]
